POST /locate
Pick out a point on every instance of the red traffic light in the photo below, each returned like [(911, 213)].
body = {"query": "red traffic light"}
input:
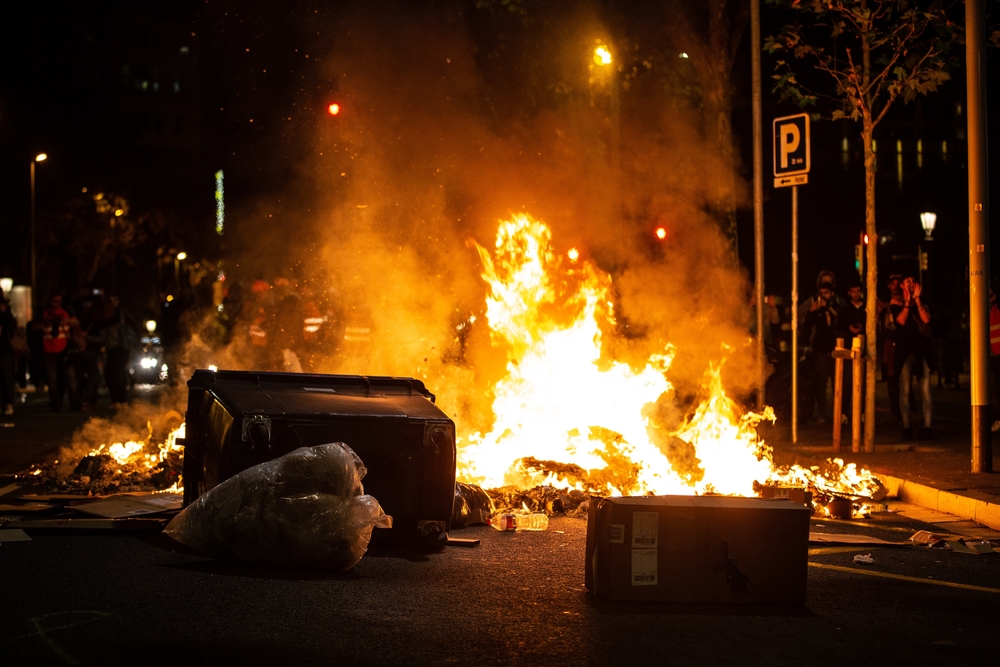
[(333, 109)]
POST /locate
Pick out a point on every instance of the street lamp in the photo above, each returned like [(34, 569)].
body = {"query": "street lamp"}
[(177, 268), (602, 56), (928, 221), (6, 285), (603, 72), (34, 282)]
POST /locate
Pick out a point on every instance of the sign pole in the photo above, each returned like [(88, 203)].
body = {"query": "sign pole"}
[(791, 169), (758, 200), (795, 314)]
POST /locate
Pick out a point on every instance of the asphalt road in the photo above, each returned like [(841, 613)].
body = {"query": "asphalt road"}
[(515, 599)]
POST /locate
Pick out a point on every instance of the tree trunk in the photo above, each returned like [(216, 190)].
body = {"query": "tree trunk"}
[(871, 288)]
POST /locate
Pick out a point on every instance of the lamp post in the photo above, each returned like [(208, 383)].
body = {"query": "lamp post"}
[(34, 273), (114, 249), (604, 64), (927, 220), (177, 269)]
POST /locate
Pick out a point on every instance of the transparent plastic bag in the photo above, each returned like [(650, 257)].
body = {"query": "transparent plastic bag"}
[(304, 509)]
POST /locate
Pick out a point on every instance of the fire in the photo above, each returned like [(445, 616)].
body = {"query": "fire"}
[(568, 417), (143, 455)]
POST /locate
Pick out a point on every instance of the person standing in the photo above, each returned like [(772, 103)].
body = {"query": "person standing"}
[(8, 327), (887, 343), (914, 354), (821, 332), (116, 350), (56, 325)]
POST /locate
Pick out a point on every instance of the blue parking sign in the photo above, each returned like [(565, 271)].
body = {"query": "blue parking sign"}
[(791, 145)]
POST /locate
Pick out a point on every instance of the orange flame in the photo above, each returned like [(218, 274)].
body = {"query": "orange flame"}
[(566, 416), (142, 455)]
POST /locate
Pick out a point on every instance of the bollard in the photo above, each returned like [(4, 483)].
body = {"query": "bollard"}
[(857, 366), (838, 391)]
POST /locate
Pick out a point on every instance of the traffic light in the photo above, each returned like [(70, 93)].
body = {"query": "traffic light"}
[(859, 255), (922, 255)]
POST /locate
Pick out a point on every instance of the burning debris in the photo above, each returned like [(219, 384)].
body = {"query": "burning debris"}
[(569, 418), (146, 464)]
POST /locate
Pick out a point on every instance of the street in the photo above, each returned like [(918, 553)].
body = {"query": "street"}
[(514, 599)]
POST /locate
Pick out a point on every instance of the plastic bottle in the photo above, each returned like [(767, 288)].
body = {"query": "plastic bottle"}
[(510, 522)]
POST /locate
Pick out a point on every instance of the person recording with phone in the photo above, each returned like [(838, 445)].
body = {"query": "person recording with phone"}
[(820, 330), (914, 353)]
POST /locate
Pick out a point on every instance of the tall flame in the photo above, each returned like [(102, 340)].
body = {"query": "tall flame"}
[(567, 416)]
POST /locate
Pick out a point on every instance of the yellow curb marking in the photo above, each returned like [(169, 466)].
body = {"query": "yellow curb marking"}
[(935, 582)]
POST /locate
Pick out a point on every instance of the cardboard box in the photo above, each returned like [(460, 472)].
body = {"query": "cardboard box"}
[(698, 549)]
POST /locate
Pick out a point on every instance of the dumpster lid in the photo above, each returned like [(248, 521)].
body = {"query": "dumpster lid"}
[(310, 395)]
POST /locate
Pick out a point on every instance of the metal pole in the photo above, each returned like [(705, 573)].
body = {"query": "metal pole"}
[(979, 237), (795, 314), (34, 273), (758, 197), (838, 393), (920, 265), (857, 375)]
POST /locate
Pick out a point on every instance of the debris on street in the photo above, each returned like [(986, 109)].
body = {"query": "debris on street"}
[(305, 509)]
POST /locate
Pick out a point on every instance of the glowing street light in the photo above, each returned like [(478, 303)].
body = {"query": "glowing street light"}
[(6, 284), (661, 233), (150, 326), (41, 157), (602, 56), (177, 270), (333, 109), (928, 221)]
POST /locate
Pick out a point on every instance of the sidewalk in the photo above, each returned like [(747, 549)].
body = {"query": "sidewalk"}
[(935, 473)]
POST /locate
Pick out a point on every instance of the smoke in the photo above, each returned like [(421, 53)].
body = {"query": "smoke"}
[(424, 158)]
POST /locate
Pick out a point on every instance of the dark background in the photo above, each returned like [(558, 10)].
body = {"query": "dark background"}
[(145, 101)]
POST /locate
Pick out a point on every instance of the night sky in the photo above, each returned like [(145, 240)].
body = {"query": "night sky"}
[(254, 84)]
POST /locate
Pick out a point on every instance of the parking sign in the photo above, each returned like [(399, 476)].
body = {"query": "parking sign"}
[(791, 150)]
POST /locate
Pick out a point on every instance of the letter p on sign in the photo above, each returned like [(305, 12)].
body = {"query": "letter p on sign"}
[(791, 145), (789, 142)]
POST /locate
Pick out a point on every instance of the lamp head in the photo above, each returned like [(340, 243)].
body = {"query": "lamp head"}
[(928, 221)]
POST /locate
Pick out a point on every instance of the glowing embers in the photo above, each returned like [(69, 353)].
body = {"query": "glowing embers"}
[(140, 461)]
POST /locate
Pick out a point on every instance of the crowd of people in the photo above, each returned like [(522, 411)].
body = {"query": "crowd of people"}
[(68, 352), (913, 346)]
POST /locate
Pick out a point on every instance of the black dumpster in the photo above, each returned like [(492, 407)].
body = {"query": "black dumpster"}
[(237, 419)]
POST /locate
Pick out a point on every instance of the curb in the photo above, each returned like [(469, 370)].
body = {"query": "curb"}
[(968, 507)]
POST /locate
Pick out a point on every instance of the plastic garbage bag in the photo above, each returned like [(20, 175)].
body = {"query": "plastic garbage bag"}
[(306, 509), (472, 506)]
